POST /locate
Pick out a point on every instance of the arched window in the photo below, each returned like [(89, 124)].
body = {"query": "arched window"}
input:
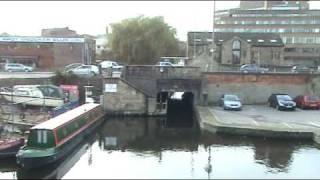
[(236, 49)]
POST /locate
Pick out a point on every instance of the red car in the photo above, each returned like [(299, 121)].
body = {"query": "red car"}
[(304, 102)]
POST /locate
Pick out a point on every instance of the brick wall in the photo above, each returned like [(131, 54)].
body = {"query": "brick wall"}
[(50, 56), (255, 88)]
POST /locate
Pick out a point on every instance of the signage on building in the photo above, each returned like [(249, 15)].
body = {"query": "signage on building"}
[(110, 141), (110, 88), (41, 39), (71, 92)]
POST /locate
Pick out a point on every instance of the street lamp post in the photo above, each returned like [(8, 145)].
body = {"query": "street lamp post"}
[(213, 44)]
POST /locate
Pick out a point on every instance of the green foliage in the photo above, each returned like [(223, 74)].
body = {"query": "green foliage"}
[(61, 78), (142, 40)]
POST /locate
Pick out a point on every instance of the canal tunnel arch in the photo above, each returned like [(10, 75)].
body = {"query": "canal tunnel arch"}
[(180, 85), (178, 106)]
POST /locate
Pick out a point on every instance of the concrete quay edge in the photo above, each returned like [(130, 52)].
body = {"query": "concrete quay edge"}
[(208, 121)]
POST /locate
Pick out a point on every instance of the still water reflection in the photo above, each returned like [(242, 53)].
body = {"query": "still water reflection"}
[(154, 148)]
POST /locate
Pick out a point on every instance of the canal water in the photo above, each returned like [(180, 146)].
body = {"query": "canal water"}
[(156, 148)]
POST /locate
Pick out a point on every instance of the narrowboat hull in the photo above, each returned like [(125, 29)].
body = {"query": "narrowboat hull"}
[(61, 152), (10, 149), (58, 169)]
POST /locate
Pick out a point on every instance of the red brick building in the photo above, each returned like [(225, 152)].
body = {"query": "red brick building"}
[(47, 53)]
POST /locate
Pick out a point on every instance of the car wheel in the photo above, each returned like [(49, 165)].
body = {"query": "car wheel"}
[(26, 70), (92, 73)]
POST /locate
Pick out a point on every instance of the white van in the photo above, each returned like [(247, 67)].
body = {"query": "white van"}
[(110, 64)]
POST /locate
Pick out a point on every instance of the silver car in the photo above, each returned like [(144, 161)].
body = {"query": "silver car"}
[(231, 102), (85, 70), (253, 68), (11, 67)]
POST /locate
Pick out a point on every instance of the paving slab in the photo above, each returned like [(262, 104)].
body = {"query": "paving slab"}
[(261, 120)]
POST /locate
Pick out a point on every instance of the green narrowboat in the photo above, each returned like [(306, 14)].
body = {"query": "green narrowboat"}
[(52, 140)]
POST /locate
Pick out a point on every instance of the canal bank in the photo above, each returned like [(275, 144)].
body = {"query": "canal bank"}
[(259, 121), (176, 153)]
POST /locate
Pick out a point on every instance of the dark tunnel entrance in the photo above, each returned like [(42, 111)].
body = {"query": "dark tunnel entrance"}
[(179, 108)]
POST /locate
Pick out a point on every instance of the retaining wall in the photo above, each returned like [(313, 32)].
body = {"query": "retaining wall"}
[(256, 88)]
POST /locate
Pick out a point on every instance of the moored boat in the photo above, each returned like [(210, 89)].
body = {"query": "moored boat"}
[(35, 95), (10, 147), (52, 140)]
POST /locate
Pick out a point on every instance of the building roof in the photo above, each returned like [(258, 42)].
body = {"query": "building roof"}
[(255, 39), (65, 117)]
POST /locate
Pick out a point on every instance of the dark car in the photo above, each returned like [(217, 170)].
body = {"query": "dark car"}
[(281, 102), (307, 102)]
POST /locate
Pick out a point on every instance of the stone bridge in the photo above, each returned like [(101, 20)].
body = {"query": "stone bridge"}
[(155, 79), (145, 89)]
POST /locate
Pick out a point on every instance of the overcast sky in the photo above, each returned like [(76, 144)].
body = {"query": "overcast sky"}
[(27, 18)]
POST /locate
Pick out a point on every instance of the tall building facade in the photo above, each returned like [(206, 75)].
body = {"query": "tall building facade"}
[(274, 4), (297, 25)]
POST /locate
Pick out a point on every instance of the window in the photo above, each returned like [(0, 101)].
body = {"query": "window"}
[(236, 48), (310, 40), (42, 137)]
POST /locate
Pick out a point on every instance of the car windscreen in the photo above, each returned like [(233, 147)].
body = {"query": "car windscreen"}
[(313, 98), (231, 98), (284, 98)]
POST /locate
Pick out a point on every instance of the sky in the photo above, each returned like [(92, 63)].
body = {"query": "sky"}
[(27, 18)]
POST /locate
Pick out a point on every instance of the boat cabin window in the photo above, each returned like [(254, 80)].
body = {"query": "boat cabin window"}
[(50, 91), (41, 138), (21, 92), (36, 93)]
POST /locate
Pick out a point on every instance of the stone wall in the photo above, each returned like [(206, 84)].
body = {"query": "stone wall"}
[(226, 52), (264, 55), (126, 100), (145, 77), (256, 88)]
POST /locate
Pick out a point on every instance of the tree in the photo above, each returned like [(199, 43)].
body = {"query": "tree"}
[(142, 40)]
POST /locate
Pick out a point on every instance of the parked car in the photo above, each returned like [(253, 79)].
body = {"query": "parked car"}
[(230, 101), (10, 67), (281, 102), (253, 68), (71, 66), (110, 64), (301, 69), (165, 63), (307, 102), (85, 70)]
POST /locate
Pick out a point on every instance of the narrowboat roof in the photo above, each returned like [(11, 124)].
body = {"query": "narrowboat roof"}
[(65, 117)]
